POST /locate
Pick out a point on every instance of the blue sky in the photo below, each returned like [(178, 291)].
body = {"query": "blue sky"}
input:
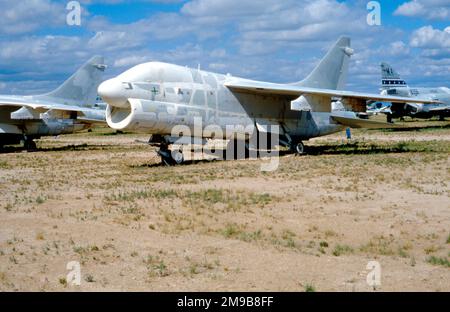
[(270, 40)]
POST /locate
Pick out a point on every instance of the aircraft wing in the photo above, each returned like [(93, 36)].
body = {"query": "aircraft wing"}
[(41, 107), (249, 86)]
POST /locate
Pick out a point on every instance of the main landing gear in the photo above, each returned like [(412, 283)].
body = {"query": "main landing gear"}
[(29, 144), (170, 157), (294, 145)]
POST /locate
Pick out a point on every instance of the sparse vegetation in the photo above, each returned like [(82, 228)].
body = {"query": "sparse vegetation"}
[(379, 245), (439, 261), (63, 281), (89, 278), (323, 244), (40, 200), (342, 250), (156, 266)]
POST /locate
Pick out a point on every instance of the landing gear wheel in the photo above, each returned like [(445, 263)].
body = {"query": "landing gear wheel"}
[(170, 158), (177, 157), (298, 149)]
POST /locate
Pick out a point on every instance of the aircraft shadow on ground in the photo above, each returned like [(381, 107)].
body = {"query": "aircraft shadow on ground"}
[(414, 128), (72, 147), (350, 148), (354, 148)]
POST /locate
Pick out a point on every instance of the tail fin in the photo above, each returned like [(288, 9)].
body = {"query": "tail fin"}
[(81, 88), (331, 73), (390, 78)]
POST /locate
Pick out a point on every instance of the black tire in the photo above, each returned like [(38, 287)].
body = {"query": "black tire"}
[(168, 159), (298, 148)]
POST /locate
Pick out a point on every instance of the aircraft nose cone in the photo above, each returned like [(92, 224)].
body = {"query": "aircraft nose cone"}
[(113, 93)]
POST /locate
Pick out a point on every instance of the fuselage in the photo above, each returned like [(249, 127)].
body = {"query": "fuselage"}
[(155, 97)]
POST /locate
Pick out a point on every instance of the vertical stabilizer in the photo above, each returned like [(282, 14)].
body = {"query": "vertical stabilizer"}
[(331, 72), (390, 78), (81, 88)]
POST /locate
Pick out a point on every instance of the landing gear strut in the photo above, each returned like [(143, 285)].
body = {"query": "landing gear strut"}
[(29, 144)]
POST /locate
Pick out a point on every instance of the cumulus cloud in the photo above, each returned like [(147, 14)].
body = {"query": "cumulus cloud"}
[(429, 37), (428, 9), (130, 61), (271, 40), (18, 17)]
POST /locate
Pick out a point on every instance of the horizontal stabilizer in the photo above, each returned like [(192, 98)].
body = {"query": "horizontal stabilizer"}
[(349, 119)]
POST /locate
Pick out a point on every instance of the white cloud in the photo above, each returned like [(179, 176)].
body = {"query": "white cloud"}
[(114, 40), (428, 37), (398, 48), (130, 61), (270, 40), (218, 53), (18, 17), (428, 9)]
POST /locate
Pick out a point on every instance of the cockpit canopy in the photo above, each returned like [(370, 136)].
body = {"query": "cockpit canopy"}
[(157, 72)]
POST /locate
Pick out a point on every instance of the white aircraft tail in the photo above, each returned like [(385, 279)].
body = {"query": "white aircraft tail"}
[(390, 78), (81, 88), (331, 73)]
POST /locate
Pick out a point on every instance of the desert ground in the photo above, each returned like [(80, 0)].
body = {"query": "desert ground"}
[(103, 200)]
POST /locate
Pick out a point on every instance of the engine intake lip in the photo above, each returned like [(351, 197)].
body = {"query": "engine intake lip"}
[(120, 118)]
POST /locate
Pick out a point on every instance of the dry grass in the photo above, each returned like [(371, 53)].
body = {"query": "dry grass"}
[(101, 199)]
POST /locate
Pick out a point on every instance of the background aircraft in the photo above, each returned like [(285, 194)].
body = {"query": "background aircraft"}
[(71, 107), (392, 84), (154, 97)]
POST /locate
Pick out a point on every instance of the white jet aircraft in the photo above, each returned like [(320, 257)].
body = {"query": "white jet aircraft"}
[(155, 97)]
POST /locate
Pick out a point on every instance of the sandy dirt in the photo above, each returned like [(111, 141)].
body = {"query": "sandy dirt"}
[(103, 201)]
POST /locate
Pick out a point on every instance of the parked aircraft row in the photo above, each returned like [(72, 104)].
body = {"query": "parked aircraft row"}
[(392, 84), (154, 97)]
